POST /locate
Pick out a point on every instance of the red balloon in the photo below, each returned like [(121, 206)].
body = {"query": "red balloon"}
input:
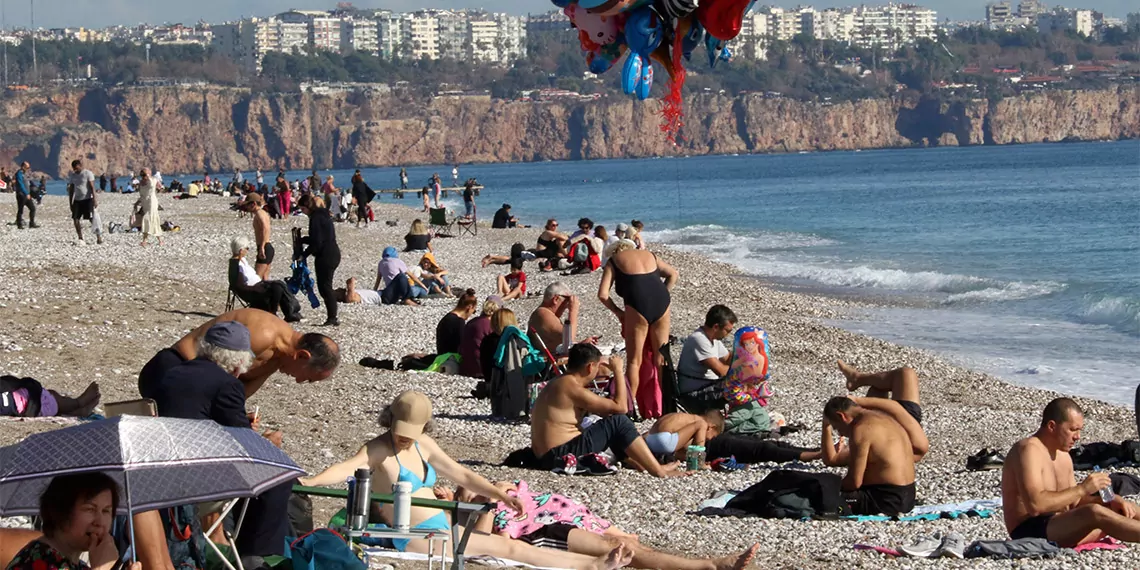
[(721, 18)]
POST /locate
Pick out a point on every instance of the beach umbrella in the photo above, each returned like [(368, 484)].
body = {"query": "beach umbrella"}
[(158, 462)]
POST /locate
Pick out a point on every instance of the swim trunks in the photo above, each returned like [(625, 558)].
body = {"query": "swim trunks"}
[(913, 409), (887, 500), (662, 443), (269, 254), (82, 209), (1033, 527), (555, 536)]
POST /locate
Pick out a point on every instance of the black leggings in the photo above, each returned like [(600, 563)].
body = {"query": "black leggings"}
[(752, 450), (325, 266), (22, 202)]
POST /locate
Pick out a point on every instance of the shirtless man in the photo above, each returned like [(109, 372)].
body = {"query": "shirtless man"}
[(1040, 493), (545, 323), (558, 412), (309, 357), (255, 205), (886, 440)]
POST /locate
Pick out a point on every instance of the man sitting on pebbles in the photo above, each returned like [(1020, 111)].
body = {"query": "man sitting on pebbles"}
[(1040, 493), (886, 440), (558, 412), (545, 323), (309, 357)]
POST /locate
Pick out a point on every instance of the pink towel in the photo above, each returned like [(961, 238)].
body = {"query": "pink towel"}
[(649, 404), (1106, 543), (879, 549)]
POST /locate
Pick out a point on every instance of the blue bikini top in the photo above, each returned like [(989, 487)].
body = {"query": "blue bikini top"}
[(407, 475)]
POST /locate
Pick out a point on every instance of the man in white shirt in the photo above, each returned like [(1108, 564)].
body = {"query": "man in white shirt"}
[(350, 294), (704, 359), (81, 194)]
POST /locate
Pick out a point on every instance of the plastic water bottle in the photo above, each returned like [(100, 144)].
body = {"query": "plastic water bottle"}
[(361, 499), (1106, 494), (694, 457), (402, 506)]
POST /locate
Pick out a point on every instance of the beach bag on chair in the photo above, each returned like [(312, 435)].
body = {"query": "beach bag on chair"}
[(322, 549)]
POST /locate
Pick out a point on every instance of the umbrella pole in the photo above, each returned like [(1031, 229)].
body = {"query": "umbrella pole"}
[(130, 516)]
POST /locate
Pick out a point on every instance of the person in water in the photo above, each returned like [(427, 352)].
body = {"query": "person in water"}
[(407, 453)]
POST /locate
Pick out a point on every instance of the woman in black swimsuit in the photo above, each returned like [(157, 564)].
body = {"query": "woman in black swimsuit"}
[(637, 277)]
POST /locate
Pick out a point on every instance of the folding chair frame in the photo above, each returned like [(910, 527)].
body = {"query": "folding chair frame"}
[(231, 538)]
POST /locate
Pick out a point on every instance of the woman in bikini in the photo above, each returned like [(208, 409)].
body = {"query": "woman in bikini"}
[(407, 453), (636, 275)]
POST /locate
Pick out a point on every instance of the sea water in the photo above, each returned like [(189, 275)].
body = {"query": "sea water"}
[(1021, 261)]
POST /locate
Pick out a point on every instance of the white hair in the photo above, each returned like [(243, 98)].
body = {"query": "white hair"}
[(239, 243), (236, 362), (556, 289), (618, 247)]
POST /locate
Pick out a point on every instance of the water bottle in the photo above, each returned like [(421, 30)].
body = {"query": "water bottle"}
[(361, 499), (1106, 494), (402, 505), (694, 457)]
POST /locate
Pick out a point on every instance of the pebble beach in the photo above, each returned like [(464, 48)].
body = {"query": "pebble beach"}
[(73, 313)]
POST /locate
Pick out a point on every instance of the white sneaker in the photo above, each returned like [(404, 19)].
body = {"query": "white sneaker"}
[(953, 546), (923, 546)]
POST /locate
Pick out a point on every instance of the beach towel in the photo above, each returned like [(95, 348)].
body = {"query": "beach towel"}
[(910, 517), (480, 559), (1020, 548), (649, 387), (746, 387), (1106, 543)]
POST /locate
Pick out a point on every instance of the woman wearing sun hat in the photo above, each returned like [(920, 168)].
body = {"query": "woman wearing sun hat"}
[(407, 453)]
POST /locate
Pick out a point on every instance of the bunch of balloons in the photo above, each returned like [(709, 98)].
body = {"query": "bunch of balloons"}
[(664, 31)]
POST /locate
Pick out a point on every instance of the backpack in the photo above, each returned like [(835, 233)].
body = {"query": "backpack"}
[(8, 385), (579, 252), (793, 494)]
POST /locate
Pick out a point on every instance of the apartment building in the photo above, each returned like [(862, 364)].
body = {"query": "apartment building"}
[(831, 24), (360, 34), (1060, 19), (424, 36), (893, 25)]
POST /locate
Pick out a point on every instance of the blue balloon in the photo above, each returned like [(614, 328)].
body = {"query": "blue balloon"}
[(643, 31), (646, 82), (631, 73), (715, 47)]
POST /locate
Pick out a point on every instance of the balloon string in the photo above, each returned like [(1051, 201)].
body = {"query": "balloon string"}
[(673, 110)]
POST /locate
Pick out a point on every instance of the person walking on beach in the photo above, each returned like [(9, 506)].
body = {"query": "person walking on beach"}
[(148, 204), (325, 251), (1040, 494), (426, 194), (469, 199), (81, 193), (436, 188), (362, 195), (24, 197), (403, 179), (284, 197)]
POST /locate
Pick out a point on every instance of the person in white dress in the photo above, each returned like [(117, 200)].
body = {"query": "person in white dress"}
[(148, 206)]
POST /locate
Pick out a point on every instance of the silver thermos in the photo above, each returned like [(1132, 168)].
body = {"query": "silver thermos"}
[(361, 499)]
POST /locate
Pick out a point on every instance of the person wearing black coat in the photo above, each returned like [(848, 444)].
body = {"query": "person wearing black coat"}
[(363, 195), (322, 246)]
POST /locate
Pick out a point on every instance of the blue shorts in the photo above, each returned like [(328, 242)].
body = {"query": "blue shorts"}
[(437, 522), (662, 443)]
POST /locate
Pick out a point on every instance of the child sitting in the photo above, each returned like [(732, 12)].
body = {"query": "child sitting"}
[(513, 284), (671, 436)]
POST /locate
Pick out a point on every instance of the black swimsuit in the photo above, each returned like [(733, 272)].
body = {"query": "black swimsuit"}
[(549, 249), (645, 292)]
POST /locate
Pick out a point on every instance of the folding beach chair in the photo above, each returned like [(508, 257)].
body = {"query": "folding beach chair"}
[(468, 225), (438, 219)]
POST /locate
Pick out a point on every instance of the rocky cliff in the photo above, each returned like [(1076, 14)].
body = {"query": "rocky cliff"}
[(213, 128)]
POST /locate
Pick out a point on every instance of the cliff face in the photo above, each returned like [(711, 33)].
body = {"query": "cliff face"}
[(217, 129)]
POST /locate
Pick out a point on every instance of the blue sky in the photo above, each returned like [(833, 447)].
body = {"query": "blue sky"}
[(98, 13)]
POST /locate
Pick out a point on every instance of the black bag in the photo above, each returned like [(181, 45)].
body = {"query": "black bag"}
[(1097, 453), (9, 384), (793, 494)]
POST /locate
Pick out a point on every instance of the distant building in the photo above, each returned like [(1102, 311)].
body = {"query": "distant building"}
[(424, 38), (894, 25), (999, 15), (832, 24), (1133, 22), (552, 21), (393, 35), (1030, 9), (359, 34), (1061, 19)]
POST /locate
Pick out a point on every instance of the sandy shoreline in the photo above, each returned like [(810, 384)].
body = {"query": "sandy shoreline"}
[(71, 314)]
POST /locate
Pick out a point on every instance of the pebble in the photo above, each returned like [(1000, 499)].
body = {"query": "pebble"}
[(147, 298)]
